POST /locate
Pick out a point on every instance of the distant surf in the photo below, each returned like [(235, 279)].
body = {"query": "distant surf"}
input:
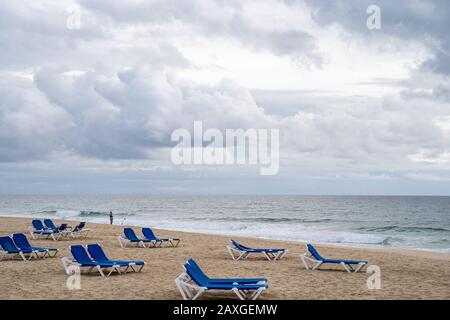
[(380, 221)]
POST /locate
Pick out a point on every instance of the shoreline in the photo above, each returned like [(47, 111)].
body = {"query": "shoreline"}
[(405, 274), (404, 250)]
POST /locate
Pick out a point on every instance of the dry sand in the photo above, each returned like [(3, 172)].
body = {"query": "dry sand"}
[(404, 274)]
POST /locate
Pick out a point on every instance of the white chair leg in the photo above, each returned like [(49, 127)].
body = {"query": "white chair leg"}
[(31, 230), (257, 293), (267, 256), (231, 253), (119, 238), (317, 266), (345, 267), (199, 293), (238, 293), (360, 267), (23, 256), (305, 263), (181, 289), (100, 271)]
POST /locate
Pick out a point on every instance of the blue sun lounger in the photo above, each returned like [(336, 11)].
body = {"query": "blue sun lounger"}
[(238, 251), (38, 229), (131, 237), (50, 225), (200, 272), (9, 248), (81, 259), (149, 235), (314, 260), (22, 243), (192, 285), (98, 255), (62, 231), (80, 230)]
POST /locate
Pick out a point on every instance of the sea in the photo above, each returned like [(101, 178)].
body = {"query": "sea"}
[(408, 222)]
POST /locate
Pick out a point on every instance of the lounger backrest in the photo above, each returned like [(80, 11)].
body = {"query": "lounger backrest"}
[(148, 233), (80, 254), (97, 252), (239, 246), (130, 234), (314, 252), (195, 276), (79, 227), (197, 268), (8, 245), (62, 227), (37, 224), (21, 241), (49, 224)]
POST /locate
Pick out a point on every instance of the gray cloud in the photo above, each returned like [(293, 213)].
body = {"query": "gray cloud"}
[(30, 127), (90, 99), (120, 115), (214, 18), (37, 35), (418, 20)]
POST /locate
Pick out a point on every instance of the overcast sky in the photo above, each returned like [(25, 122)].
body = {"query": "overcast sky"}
[(91, 109)]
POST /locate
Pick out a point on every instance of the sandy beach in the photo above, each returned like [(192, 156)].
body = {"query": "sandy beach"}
[(405, 274)]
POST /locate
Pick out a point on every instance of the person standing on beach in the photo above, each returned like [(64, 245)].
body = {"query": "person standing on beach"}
[(111, 217)]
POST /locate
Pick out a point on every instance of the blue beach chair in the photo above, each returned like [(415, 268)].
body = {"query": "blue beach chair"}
[(80, 230), (22, 243), (314, 260), (149, 235), (10, 248), (192, 285), (98, 255), (238, 251), (38, 229), (129, 236), (50, 225), (81, 259), (63, 231), (200, 272)]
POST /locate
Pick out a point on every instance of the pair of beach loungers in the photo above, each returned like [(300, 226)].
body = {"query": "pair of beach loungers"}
[(94, 258), (17, 245), (49, 230), (129, 236), (312, 260), (193, 282)]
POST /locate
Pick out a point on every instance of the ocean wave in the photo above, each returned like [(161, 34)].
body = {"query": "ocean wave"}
[(265, 219), (352, 238), (403, 229), (67, 214)]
